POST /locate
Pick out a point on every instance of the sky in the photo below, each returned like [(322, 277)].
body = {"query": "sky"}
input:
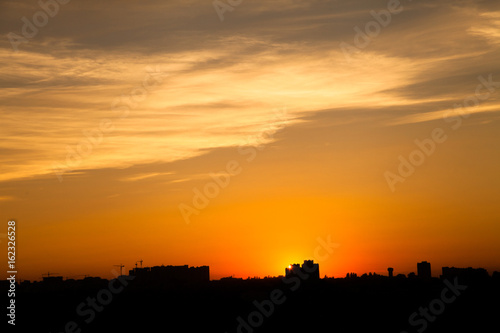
[(247, 136)]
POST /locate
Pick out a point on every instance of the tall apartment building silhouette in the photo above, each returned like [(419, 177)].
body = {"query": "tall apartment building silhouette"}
[(308, 267), (424, 270)]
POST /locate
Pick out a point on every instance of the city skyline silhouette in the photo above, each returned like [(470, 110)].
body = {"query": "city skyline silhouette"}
[(149, 295), (171, 274)]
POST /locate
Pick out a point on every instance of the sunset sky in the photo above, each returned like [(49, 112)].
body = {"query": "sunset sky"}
[(114, 114)]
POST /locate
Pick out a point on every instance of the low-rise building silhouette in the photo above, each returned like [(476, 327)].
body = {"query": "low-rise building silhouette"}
[(171, 274), (468, 273), (52, 280)]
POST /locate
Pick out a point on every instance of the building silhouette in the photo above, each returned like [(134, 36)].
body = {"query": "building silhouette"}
[(308, 267), (171, 274), (293, 268), (465, 274), (391, 271), (52, 280), (424, 270)]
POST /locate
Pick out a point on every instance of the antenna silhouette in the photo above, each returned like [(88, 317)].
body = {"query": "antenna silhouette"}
[(48, 274), (121, 268), (137, 262)]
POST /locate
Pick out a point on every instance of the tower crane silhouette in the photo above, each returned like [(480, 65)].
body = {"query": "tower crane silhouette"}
[(121, 268)]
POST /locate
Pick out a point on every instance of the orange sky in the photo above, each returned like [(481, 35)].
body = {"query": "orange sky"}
[(139, 107)]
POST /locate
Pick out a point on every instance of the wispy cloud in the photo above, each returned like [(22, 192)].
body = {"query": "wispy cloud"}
[(439, 115), (222, 81), (488, 27), (146, 176)]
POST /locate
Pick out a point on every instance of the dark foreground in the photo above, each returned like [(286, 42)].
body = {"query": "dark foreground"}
[(377, 304)]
